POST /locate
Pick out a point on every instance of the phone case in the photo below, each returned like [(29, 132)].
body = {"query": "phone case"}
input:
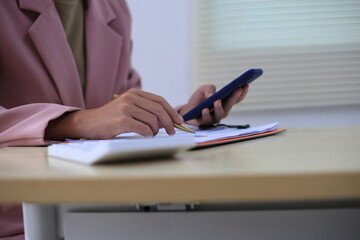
[(240, 81)]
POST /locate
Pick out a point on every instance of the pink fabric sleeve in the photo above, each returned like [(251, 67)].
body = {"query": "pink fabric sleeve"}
[(14, 237), (25, 125), (11, 224)]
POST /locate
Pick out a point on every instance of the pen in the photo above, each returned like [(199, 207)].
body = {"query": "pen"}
[(178, 126), (183, 128)]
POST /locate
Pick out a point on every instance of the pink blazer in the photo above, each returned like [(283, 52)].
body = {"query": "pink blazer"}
[(38, 75)]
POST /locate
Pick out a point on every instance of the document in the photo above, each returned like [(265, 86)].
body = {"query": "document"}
[(131, 145), (223, 132), (206, 135), (220, 133)]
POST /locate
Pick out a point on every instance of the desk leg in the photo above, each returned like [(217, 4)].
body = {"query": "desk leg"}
[(40, 221)]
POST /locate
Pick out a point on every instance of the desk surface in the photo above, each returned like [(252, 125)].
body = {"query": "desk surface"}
[(300, 164)]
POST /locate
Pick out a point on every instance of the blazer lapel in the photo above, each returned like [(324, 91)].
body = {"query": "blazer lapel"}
[(103, 49), (51, 43)]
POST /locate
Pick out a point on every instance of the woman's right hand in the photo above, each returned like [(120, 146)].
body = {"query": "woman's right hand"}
[(133, 111)]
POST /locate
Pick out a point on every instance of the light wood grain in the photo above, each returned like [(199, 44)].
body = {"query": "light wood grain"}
[(300, 164)]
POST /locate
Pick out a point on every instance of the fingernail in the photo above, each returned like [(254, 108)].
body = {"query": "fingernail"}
[(172, 132), (180, 118)]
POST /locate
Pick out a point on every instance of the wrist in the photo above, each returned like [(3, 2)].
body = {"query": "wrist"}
[(67, 125)]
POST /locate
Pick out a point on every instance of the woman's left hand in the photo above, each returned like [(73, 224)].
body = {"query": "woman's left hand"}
[(221, 108)]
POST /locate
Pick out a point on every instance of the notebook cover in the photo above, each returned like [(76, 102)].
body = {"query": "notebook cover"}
[(236, 139)]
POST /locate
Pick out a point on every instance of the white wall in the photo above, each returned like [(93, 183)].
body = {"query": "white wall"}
[(162, 55), (161, 47)]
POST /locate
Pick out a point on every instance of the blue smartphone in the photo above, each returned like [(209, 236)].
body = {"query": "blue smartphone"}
[(223, 93)]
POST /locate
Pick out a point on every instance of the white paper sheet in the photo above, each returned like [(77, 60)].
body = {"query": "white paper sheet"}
[(217, 133)]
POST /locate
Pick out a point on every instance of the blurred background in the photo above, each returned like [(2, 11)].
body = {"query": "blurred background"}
[(309, 51)]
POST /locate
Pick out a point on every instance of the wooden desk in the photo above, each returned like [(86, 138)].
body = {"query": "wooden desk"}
[(303, 164)]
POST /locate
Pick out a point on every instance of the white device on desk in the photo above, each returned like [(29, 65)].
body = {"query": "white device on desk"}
[(97, 151)]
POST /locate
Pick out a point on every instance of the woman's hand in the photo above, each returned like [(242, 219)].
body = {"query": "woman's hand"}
[(134, 111), (221, 108)]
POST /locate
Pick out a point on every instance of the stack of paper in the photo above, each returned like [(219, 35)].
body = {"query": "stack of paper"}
[(221, 134), (131, 145)]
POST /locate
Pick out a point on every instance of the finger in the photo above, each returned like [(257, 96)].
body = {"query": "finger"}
[(219, 112), (152, 107), (147, 118), (159, 112), (233, 99), (174, 115), (130, 112), (244, 92), (133, 125), (206, 118)]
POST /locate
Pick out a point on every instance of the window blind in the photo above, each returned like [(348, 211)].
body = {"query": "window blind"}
[(309, 50)]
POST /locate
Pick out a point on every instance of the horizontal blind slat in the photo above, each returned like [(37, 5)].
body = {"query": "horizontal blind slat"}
[(309, 50)]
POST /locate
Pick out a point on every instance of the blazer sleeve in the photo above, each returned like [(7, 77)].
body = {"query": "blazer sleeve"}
[(25, 125)]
